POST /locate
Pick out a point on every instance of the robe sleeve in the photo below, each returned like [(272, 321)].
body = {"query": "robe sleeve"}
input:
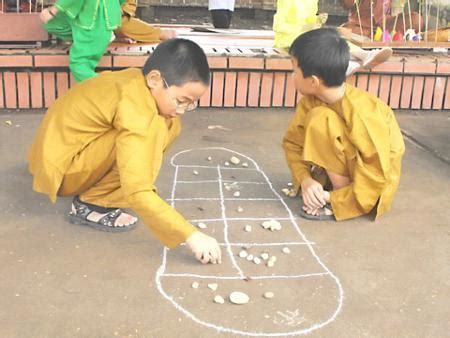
[(369, 133), (293, 142), (129, 7), (140, 143)]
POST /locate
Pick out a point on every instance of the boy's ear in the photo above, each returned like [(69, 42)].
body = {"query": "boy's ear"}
[(154, 79), (315, 81)]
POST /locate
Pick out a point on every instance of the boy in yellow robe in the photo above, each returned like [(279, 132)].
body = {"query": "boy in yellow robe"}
[(343, 146), (103, 143)]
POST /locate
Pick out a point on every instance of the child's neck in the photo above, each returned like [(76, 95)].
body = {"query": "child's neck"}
[(331, 95)]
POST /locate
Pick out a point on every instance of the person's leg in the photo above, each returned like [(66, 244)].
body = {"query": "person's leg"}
[(138, 30), (366, 58), (60, 27), (220, 18)]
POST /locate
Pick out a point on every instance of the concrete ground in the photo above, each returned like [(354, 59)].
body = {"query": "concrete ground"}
[(389, 278)]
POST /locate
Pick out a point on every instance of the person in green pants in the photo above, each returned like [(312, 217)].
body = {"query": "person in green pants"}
[(89, 25)]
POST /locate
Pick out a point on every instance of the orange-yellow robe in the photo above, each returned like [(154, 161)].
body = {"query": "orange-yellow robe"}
[(106, 132), (357, 137)]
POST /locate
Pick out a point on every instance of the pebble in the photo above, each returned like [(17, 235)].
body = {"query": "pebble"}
[(243, 254), (290, 184), (8, 122), (269, 295), (195, 172), (236, 194), (273, 258), (227, 164), (270, 264), (209, 158), (235, 160), (202, 225), (239, 298), (195, 285), (213, 286), (257, 260), (240, 209), (245, 165), (265, 256), (286, 191), (219, 299), (248, 228), (272, 224), (250, 257), (286, 250)]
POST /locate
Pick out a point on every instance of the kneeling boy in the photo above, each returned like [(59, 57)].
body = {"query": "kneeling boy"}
[(343, 146), (103, 142)]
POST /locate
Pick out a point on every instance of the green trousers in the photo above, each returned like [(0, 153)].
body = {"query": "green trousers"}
[(88, 46)]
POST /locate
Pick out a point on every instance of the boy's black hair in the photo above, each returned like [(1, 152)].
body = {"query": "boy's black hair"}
[(322, 52), (179, 61)]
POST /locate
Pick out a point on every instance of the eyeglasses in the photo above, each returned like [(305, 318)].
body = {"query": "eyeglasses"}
[(181, 107)]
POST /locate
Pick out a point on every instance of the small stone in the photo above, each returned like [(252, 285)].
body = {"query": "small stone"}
[(240, 209), (292, 193), (236, 194), (272, 224), (209, 158), (195, 172), (219, 299), (273, 258), (8, 122), (239, 298), (257, 260), (235, 160), (245, 165), (248, 228), (269, 295), (286, 191), (286, 250), (243, 253), (195, 285), (227, 187), (227, 164), (202, 225), (265, 256), (250, 257), (270, 264), (213, 286), (290, 184)]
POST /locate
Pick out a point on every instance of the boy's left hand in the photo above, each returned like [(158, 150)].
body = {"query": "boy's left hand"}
[(47, 14)]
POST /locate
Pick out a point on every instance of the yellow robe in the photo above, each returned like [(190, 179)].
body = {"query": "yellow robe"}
[(357, 137), (106, 131)]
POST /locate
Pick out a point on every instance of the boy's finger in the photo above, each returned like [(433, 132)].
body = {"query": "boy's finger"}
[(314, 201)]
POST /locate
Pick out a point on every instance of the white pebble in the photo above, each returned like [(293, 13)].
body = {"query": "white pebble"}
[(202, 225), (235, 160), (286, 191), (240, 209), (239, 298), (227, 163), (271, 224), (243, 254), (286, 250), (245, 165), (236, 194), (269, 295), (250, 257), (227, 187), (273, 258), (219, 299), (257, 260), (265, 256), (195, 172), (195, 285), (270, 264), (290, 184), (248, 228), (209, 158), (213, 286)]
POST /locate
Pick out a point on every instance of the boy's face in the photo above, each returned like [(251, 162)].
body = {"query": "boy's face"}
[(173, 101), (305, 85)]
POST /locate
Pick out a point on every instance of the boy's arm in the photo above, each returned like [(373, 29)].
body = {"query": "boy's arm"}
[(140, 144), (129, 7), (293, 146)]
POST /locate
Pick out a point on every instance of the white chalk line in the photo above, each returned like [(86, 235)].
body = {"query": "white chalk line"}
[(225, 199), (234, 331), (225, 222), (193, 275), (224, 181), (213, 167), (239, 219), (248, 245)]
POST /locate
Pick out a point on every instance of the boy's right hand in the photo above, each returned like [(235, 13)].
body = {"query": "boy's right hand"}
[(313, 194), (205, 248)]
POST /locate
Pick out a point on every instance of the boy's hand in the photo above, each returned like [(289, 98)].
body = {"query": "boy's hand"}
[(48, 13), (205, 248), (313, 195)]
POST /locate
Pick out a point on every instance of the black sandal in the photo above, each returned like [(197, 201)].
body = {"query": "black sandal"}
[(321, 216), (106, 223)]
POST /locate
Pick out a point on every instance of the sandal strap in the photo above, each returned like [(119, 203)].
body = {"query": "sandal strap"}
[(110, 218), (83, 210)]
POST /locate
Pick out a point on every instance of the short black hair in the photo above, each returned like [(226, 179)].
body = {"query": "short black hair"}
[(179, 61), (324, 53)]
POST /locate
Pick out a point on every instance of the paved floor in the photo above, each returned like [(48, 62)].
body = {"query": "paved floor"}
[(61, 280)]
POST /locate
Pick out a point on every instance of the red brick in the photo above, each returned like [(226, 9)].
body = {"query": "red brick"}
[(217, 89), (217, 62), (254, 89), (374, 84), (362, 81), (385, 84), (246, 63), (36, 90), (242, 89), (62, 83), (278, 89), (428, 90), (49, 88), (129, 61), (447, 96), (2, 99), (51, 60), (205, 100), (396, 91), (23, 90), (405, 100), (443, 67), (72, 81), (16, 61), (105, 61), (416, 95), (389, 67), (278, 64), (438, 93), (230, 89), (352, 80), (266, 90), (291, 92), (10, 90), (420, 67)]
